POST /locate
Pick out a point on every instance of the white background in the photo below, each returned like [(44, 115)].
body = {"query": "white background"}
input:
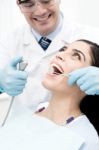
[(82, 11)]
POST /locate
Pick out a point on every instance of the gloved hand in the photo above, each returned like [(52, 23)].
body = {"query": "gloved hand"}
[(12, 81), (87, 79)]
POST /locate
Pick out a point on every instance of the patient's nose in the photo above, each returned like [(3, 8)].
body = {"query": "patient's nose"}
[(59, 57)]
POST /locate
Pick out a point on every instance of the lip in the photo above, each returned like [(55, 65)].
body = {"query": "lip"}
[(42, 18)]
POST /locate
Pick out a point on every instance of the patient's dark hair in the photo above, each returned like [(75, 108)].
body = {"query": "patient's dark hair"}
[(90, 104)]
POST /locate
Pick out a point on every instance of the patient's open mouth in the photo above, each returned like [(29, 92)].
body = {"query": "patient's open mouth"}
[(56, 69)]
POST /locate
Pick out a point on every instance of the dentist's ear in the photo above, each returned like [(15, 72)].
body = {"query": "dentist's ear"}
[(59, 1), (17, 2)]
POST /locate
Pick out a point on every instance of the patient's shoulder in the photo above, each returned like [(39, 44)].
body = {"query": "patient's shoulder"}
[(85, 129)]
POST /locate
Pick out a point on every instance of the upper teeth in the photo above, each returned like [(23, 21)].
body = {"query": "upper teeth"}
[(42, 18)]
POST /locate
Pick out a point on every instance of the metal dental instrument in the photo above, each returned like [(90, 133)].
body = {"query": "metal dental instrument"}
[(65, 74), (22, 66), (62, 74)]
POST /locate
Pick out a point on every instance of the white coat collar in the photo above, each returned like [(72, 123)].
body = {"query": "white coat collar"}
[(30, 34), (27, 35), (56, 44)]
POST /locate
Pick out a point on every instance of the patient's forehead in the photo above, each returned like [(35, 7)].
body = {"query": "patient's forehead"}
[(80, 45)]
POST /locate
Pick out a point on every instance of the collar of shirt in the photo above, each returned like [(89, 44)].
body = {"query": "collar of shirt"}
[(52, 35)]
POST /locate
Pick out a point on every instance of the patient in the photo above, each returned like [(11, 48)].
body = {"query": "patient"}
[(63, 124)]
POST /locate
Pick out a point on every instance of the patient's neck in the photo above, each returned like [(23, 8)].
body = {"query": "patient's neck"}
[(61, 108)]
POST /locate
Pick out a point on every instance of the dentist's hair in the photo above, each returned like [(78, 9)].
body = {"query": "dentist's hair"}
[(90, 104)]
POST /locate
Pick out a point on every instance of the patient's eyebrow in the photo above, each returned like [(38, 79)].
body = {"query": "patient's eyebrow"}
[(63, 48), (80, 53)]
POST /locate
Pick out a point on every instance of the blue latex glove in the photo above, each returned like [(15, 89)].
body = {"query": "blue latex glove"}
[(12, 81), (87, 79)]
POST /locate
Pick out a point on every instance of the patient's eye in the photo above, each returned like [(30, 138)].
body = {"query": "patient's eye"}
[(63, 49), (76, 55)]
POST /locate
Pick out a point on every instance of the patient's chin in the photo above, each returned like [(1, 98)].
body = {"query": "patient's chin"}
[(48, 85), (44, 83)]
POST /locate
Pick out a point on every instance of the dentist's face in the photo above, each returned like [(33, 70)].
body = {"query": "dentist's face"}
[(43, 19), (70, 58)]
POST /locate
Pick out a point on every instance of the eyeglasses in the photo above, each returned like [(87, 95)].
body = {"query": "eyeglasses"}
[(31, 5)]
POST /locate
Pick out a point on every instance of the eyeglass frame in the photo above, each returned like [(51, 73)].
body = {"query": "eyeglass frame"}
[(36, 3)]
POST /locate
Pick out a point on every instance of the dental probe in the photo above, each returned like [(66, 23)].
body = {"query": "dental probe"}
[(22, 66), (62, 74), (65, 74)]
